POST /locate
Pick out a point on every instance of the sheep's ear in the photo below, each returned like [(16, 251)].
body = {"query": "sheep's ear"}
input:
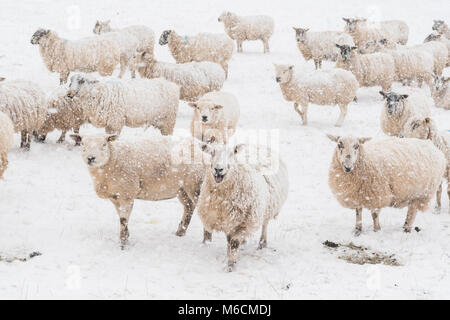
[(427, 120), (333, 138), (362, 140), (2, 79), (295, 28), (383, 93), (207, 148), (192, 105), (345, 19), (77, 138), (112, 138), (218, 107), (403, 96), (238, 148), (291, 67)]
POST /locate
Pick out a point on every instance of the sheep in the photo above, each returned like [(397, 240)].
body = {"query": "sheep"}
[(388, 173), (441, 92), (237, 198), (375, 69), (399, 108), (440, 54), (63, 114), (425, 128), (133, 103), (320, 46), (63, 56), (144, 169), (440, 38), (215, 113), (373, 46), (194, 78), (322, 87), (442, 28), (363, 31), (214, 47), (25, 104), (6, 140), (243, 28), (130, 40)]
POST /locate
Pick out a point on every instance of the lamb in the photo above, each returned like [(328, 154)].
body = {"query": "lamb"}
[(214, 47), (6, 141), (322, 87), (134, 103), (399, 108), (86, 55), (425, 128), (144, 169), (63, 114), (215, 114), (440, 38), (129, 39), (363, 31), (441, 92), (375, 69), (320, 46), (389, 173), (194, 78), (442, 28), (243, 28), (237, 198), (25, 104)]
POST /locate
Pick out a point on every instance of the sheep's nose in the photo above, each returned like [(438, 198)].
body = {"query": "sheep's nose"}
[(90, 159), (278, 79), (218, 170), (204, 118)]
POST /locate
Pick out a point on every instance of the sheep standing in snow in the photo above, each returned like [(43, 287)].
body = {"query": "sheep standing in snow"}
[(133, 103), (440, 38), (6, 141), (214, 47), (85, 55), (144, 170), (194, 78), (399, 108), (425, 128), (320, 46), (237, 198), (441, 92), (390, 173), (322, 87), (25, 104), (215, 114), (439, 52), (243, 28), (130, 40), (363, 31), (441, 27)]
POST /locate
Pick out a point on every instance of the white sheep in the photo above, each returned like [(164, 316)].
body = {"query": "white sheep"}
[(237, 198), (6, 141), (194, 78), (320, 46), (389, 173), (129, 39), (214, 47), (112, 104), (440, 53), (243, 28), (399, 108), (91, 54), (216, 114), (142, 169), (363, 31), (441, 92), (322, 87), (441, 27), (26, 105), (425, 128), (440, 38)]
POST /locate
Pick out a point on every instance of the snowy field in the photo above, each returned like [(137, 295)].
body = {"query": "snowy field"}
[(47, 201)]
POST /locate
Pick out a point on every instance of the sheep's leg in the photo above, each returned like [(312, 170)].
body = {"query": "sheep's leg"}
[(358, 226), (62, 137), (224, 65), (123, 65), (233, 247), (124, 211), (266, 45), (448, 193), (263, 239), (3, 162), (77, 131), (342, 115), (410, 217), (437, 209), (239, 45), (207, 236), (188, 211), (320, 64), (25, 140), (376, 220), (304, 114), (316, 64)]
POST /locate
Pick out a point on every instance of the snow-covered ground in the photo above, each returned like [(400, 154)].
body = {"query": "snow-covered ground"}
[(47, 202)]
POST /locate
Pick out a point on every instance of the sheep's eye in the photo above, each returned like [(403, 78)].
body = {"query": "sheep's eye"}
[(356, 146), (340, 145), (415, 126)]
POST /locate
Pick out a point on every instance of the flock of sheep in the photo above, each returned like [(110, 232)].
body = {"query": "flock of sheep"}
[(231, 194)]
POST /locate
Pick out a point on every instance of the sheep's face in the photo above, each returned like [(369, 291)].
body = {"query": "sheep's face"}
[(300, 34), (77, 83), (438, 25), (440, 83), (394, 102), (222, 159), (164, 39), (207, 111), (352, 23), (95, 150), (283, 73), (101, 27), (346, 51), (419, 128), (348, 150), (38, 35), (140, 60), (225, 17)]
